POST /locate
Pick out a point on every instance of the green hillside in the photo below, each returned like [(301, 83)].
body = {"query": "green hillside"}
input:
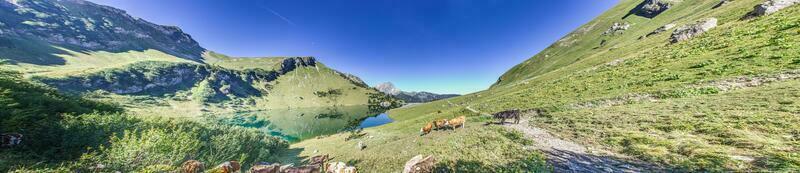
[(722, 101)]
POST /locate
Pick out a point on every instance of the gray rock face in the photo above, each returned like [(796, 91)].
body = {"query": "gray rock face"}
[(80, 25), (650, 8), (617, 28), (692, 30), (388, 88), (771, 6)]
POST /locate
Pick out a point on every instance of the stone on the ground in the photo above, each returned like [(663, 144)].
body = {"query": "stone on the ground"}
[(617, 28), (771, 6), (361, 145), (689, 31), (419, 164)]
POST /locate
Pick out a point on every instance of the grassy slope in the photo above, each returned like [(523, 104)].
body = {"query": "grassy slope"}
[(86, 62), (562, 76), (296, 89)]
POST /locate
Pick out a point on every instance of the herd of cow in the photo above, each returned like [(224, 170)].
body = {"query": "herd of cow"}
[(444, 124)]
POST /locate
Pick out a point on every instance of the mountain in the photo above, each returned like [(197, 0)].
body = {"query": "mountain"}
[(411, 97), (102, 53), (686, 86)]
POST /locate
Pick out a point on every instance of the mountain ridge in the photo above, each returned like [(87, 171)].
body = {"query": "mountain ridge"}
[(411, 96)]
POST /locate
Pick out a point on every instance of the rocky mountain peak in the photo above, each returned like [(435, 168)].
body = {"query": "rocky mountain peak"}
[(80, 25), (388, 88)]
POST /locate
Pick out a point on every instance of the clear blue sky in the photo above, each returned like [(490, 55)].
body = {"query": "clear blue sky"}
[(443, 46)]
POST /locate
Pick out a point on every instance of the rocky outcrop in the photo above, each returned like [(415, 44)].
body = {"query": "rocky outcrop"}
[(411, 97), (659, 30), (80, 26), (650, 8), (617, 28), (771, 6), (158, 78), (289, 64), (420, 164), (692, 30)]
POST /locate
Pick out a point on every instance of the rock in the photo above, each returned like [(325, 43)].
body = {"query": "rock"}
[(692, 30), (265, 168), (10, 139), (418, 164), (771, 6), (617, 28), (192, 166), (227, 167), (650, 8), (361, 145)]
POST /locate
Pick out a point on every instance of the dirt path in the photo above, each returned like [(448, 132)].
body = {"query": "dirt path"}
[(567, 156)]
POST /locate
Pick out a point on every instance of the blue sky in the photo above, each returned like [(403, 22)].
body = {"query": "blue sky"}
[(443, 46)]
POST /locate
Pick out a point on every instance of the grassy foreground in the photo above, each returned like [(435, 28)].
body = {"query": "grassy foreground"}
[(668, 104)]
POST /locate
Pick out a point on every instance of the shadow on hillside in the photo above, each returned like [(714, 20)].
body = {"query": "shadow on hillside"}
[(35, 51), (460, 165)]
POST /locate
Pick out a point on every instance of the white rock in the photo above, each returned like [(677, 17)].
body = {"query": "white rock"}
[(771, 6), (692, 30)]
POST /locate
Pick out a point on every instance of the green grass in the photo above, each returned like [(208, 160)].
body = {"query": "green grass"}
[(565, 75)]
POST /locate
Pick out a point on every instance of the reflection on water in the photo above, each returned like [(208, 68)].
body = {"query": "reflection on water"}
[(299, 124)]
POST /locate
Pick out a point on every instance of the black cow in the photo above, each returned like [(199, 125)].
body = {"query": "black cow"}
[(509, 114)]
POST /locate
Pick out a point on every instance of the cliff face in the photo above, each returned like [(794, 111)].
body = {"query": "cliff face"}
[(84, 26), (158, 78)]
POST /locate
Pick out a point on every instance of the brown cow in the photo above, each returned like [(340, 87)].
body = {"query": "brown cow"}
[(458, 122), (441, 124), (192, 166), (426, 129)]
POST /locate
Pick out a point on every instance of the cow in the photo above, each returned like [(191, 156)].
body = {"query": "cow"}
[(457, 122), (10, 139), (440, 124), (426, 129), (192, 166), (515, 114)]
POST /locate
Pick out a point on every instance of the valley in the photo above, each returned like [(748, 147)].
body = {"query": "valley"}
[(647, 86)]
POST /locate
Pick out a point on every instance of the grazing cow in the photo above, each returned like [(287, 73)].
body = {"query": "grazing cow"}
[(266, 168), (10, 139), (227, 167), (420, 164), (515, 114), (192, 166), (458, 122), (440, 124), (426, 129)]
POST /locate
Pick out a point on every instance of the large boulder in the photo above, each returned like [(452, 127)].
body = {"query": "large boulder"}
[(419, 164), (771, 6), (650, 8), (692, 30)]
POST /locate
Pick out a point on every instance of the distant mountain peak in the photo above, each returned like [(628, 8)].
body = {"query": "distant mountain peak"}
[(388, 88), (413, 96)]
